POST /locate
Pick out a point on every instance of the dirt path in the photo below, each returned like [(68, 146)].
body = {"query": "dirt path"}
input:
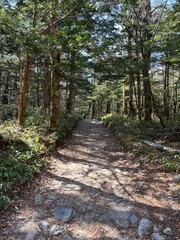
[(93, 190)]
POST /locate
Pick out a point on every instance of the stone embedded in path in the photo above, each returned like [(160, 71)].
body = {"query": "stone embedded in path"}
[(56, 230), (157, 236), (145, 227), (120, 215), (155, 229), (64, 214), (161, 218), (67, 237), (176, 178), (44, 225), (133, 219), (31, 235), (168, 231)]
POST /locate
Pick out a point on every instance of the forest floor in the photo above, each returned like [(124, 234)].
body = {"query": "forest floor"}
[(94, 190)]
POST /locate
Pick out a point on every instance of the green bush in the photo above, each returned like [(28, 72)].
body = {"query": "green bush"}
[(24, 153), (130, 132)]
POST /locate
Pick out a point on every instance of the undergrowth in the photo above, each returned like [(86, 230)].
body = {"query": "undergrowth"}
[(23, 152), (130, 132)]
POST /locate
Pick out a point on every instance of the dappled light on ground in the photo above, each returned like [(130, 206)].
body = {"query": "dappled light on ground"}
[(95, 190)]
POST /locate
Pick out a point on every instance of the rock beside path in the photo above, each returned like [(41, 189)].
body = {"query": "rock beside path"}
[(64, 214), (157, 236), (145, 227)]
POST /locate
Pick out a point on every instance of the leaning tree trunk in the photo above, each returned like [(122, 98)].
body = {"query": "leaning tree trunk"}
[(24, 87)]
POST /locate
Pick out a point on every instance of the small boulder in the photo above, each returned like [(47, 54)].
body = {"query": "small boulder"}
[(133, 219), (145, 227), (44, 225), (161, 218), (67, 237), (168, 231), (31, 235), (157, 236), (64, 214), (56, 230), (176, 178), (155, 229)]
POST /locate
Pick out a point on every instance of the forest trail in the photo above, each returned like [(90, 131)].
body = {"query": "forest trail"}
[(93, 190)]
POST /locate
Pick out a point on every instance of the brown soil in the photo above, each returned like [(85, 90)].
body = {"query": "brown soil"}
[(104, 185)]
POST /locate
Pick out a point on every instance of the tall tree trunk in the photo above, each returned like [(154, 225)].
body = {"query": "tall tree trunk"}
[(25, 69), (146, 55), (5, 93), (131, 75), (55, 90), (46, 89), (93, 109), (71, 98), (138, 78), (108, 106), (132, 111), (55, 72), (166, 93), (24, 87), (147, 93), (70, 103)]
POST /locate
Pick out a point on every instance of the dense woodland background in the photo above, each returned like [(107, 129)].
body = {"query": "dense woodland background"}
[(92, 57), (65, 59)]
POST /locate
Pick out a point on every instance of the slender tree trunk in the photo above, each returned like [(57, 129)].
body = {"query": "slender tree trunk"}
[(55, 91), (46, 89), (123, 99), (147, 93), (55, 73), (118, 107), (5, 99), (146, 55), (71, 98), (166, 93), (88, 111), (70, 103), (138, 78), (25, 69), (93, 109), (131, 76), (132, 111), (24, 87), (108, 106)]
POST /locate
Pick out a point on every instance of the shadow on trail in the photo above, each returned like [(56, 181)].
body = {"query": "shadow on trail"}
[(111, 197)]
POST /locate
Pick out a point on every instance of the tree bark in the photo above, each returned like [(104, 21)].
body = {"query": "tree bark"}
[(55, 73), (5, 93), (55, 90), (24, 87), (108, 106), (147, 93), (166, 93)]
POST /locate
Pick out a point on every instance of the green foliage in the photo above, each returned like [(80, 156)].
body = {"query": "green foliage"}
[(130, 132), (24, 153)]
